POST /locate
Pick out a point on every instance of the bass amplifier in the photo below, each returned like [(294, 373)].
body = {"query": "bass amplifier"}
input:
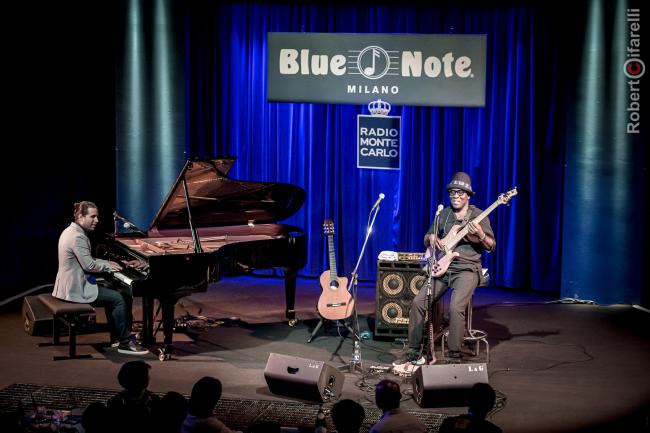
[(397, 284)]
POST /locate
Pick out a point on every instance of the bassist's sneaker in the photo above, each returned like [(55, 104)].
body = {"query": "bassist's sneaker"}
[(410, 357), (408, 364), (420, 361)]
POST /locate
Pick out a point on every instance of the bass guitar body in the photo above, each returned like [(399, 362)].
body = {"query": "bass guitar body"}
[(443, 257), (440, 267)]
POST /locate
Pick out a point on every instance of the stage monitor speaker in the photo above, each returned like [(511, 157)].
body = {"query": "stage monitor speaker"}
[(37, 318), (446, 385), (302, 378), (397, 284)]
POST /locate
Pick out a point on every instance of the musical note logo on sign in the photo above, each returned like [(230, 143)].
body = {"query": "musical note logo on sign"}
[(374, 62)]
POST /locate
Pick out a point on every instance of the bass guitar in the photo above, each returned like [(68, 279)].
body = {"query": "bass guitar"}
[(446, 254), (335, 303)]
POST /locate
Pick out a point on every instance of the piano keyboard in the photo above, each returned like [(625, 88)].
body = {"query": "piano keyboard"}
[(123, 278)]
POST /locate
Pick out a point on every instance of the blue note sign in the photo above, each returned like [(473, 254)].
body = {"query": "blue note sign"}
[(378, 142)]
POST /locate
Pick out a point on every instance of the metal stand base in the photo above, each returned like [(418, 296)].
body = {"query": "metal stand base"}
[(355, 363), (351, 367), (321, 322)]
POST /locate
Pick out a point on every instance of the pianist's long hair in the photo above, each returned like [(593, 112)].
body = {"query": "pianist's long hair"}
[(81, 208)]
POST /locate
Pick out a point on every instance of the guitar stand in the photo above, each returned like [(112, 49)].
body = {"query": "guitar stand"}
[(322, 321)]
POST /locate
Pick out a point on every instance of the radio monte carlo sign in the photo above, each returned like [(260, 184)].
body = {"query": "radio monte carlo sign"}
[(352, 68)]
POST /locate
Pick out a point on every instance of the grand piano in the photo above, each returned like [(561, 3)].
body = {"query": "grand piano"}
[(209, 225)]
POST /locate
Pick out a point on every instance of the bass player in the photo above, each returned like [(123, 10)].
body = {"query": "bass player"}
[(464, 271)]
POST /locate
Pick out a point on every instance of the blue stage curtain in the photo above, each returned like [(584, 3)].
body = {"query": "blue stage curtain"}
[(515, 140)]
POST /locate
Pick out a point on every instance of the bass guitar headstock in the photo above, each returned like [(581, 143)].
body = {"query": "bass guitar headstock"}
[(505, 197)]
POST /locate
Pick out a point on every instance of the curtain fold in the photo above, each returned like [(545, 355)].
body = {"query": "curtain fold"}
[(515, 140)]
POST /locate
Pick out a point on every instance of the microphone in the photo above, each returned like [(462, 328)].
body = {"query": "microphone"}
[(381, 197), (127, 224), (440, 207), (133, 228)]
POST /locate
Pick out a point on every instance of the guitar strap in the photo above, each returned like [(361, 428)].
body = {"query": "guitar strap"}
[(462, 224), (467, 216), (443, 230)]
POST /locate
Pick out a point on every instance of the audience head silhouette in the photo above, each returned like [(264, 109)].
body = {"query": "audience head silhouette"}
[(387, 395), (481, 399), (205, 396), (394, 419), (134, 376), (135, 402), (95, 418), (348, 415), (173, 410)]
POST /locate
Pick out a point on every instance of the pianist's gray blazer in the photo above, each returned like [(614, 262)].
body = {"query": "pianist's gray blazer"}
[(75, 280)]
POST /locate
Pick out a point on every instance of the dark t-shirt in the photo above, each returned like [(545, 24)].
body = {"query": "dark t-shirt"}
[(133, 414), (470, 252)]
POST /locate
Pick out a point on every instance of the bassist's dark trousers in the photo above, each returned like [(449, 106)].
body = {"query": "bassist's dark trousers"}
[(462, 284)]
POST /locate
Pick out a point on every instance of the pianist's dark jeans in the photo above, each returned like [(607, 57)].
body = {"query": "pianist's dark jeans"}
[(118, 306)]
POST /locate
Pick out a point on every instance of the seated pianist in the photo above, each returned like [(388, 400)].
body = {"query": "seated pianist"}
[(76, 278)]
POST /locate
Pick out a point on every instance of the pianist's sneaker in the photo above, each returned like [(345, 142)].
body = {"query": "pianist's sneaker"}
[(131, 348)]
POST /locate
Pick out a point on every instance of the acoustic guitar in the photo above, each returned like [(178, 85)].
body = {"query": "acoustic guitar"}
[(335, 303)]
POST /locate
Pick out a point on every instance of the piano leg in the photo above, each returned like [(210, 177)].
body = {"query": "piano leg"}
[(290, 294), (146, 334), (168, 319)]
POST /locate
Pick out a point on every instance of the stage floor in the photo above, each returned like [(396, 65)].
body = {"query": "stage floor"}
[(557, 367)]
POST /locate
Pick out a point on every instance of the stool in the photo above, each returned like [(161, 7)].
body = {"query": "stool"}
[(69, 314), (474, 336)]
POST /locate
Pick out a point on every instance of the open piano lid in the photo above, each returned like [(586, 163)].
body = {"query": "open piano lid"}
[(217, 200)]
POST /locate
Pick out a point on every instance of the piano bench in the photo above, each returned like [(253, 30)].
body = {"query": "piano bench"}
[(69, 314)]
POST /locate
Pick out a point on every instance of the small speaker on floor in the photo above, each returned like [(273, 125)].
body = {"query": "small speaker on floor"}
[(446, 385), (302, 378), (37, 318)]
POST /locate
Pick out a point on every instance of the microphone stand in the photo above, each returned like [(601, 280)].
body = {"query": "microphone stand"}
[(116, 224), (355, 362), (431, 290)]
